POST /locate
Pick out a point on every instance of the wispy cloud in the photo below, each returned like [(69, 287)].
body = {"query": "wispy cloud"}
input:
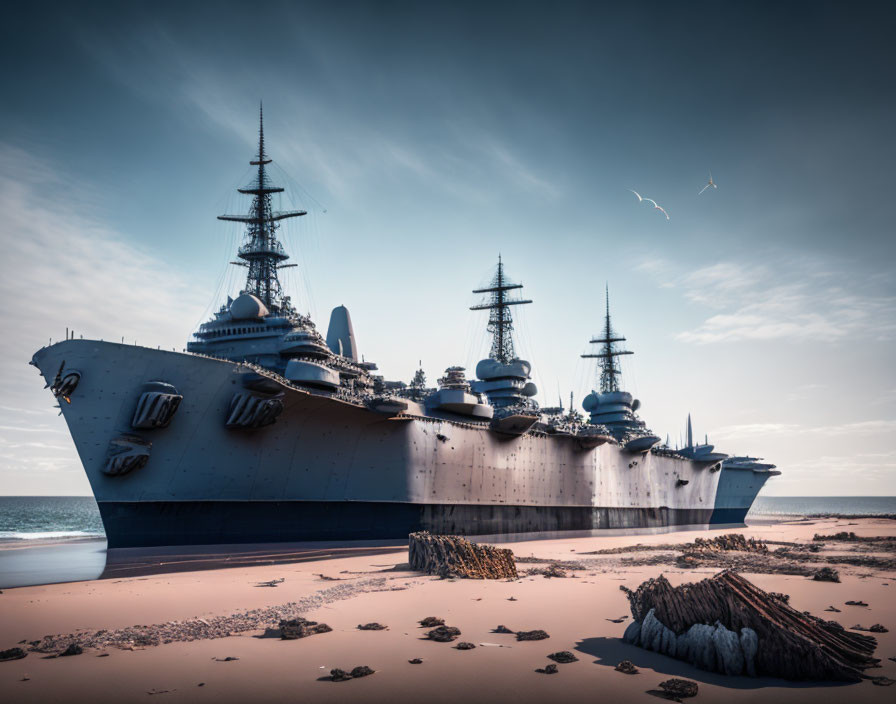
[(859, 428), (64, 267), (795, 299)]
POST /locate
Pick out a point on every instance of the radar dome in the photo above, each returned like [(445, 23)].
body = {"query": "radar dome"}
[(246, 306)]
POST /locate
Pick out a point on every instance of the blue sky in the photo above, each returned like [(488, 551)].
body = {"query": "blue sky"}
[(426, 138)]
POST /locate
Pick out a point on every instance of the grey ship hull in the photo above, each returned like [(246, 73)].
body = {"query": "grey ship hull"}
[(333, 469)]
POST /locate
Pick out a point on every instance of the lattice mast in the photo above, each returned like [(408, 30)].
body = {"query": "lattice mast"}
[(262, 253), (609, 367), (500, 321)]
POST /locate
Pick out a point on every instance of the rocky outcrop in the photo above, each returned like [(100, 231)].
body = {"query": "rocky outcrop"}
[(726, 624), (453, 556)]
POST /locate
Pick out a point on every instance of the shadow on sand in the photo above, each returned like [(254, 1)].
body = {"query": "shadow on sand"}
[(610, 651)]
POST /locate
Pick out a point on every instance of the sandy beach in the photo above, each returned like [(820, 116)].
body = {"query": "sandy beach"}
[(344, 592)]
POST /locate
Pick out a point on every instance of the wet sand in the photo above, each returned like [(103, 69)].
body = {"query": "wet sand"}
[(377, 587)]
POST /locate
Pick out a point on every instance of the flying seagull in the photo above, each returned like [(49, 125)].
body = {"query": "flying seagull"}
[(651, 200), (711, 183)]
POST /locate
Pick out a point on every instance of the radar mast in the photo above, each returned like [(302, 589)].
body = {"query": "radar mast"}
[(500, 322), (262, 253), (609, 367)]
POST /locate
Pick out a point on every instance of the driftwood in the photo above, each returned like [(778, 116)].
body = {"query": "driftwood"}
[(726, 624), (453, 556)]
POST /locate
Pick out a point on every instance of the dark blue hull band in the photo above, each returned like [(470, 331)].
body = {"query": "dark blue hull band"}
[(155, 523)]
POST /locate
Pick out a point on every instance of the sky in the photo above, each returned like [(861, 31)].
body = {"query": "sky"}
[(425, 139)]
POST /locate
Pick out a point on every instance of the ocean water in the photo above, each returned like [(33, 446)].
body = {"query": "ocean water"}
[(49, 517), (773, 506)]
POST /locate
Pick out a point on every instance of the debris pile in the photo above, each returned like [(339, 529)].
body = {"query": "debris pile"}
[(453, 556), (753, 633)]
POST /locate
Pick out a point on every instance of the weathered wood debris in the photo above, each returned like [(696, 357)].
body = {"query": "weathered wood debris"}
[(726, 624), (453, 556)]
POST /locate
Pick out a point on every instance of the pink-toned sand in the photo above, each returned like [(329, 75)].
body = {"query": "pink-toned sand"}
[(574, 611)]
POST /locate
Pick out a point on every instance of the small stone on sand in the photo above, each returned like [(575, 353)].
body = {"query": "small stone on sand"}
[(563, 657), (627, 667), (371, 627), (465, 645), (431, 621), (416, 661), (548, 669), (679, 689)]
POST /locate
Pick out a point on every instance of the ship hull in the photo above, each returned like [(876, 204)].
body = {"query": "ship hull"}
[(151, 523), (332, 469)]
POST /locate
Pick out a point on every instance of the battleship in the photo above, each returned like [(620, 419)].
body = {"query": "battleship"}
[(261, 430)]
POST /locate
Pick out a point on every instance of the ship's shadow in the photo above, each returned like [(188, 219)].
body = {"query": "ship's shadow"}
[(610, 651)]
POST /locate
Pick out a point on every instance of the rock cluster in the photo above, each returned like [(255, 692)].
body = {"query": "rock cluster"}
[(444, 634), (563, 657), (531, 635), (338, 675), (826, 574), (678, 689), (751, 633), (431, 622), (627, 667), (295, 628), (453, 556)]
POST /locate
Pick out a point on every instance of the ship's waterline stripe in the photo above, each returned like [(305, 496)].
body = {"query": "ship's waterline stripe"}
[(151, 523)]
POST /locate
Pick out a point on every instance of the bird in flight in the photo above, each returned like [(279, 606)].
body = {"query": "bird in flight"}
[(651, 200), (708, 185)]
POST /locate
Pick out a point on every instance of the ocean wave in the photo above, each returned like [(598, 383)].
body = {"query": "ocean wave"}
[(46, 535)]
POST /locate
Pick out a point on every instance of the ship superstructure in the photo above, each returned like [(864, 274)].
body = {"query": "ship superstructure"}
[(611, 407), (265, 431)]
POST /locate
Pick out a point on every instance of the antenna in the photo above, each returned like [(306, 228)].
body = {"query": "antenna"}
[(262, 253), (609, 368), (500, 322)]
